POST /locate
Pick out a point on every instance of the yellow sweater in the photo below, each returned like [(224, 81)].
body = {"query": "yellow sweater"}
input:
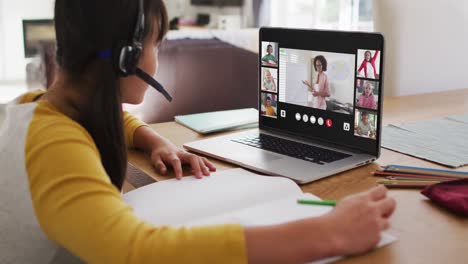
[(76, 205)]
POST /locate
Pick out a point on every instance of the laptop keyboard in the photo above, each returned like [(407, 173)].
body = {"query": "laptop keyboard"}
[(292, 148)]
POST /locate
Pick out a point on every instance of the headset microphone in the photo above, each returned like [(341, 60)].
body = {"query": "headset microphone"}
[(155, 84)]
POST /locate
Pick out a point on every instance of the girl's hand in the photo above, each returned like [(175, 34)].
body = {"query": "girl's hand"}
[(357, 221), (352, 228), (167, 154)]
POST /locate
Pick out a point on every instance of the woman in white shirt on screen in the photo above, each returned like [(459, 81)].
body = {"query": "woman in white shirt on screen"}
[(318, 93)]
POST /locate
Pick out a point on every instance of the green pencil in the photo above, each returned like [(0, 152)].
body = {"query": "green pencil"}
[(317, 202)]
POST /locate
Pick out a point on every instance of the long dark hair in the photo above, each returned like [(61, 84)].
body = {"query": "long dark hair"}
[(83, 29)]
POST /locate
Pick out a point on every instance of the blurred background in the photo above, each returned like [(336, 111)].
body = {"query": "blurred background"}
[(25, 25), (425, 45)]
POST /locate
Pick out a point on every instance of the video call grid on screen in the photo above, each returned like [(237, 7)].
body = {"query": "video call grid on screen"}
[(344, 55)]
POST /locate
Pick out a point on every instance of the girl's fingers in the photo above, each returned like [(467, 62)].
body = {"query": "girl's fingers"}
[(159, 165), (386, 207), (176, 165), (378, 193), (204, 168), (208, 164), (200, 166), (384, 224), (194, 163)]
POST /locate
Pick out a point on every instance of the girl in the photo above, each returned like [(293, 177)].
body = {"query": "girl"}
[(269, 83), (367, 99), (64, 154), (368, 65), (321, 89)]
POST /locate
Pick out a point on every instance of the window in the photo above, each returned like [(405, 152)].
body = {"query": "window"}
[(323, 14)]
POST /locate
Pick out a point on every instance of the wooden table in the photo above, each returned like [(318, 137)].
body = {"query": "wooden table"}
[(426, 233)]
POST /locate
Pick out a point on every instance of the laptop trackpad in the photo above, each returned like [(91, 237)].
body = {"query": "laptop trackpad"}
[(258, 157)]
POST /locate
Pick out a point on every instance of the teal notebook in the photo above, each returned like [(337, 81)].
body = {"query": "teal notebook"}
[(205, 123)]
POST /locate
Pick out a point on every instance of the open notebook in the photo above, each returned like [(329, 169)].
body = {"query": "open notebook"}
[(228, 196)]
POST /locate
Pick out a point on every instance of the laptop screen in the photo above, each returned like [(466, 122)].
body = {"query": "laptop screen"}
[(322, 85)]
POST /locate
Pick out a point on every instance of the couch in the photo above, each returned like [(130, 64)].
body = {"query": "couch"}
[(202, 75)]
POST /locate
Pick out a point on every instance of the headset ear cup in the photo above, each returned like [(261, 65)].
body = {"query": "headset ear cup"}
[(120, 60), (129, 53), (137, 50), (128, 59)]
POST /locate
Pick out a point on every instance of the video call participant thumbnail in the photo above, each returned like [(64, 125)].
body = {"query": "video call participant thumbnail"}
[(269, 54), (370, 64), (269, 105), (269, 77), (367, 94), (365, 124)]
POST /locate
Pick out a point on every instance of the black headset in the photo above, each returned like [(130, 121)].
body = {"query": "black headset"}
[(129, 55)]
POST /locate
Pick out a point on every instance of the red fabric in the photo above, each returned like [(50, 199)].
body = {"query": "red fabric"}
[(452, 195)]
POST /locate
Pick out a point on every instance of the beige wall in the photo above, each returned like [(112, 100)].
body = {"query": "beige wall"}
[(426, 44)]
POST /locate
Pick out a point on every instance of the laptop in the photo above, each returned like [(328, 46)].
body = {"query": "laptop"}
[(320, 106)]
